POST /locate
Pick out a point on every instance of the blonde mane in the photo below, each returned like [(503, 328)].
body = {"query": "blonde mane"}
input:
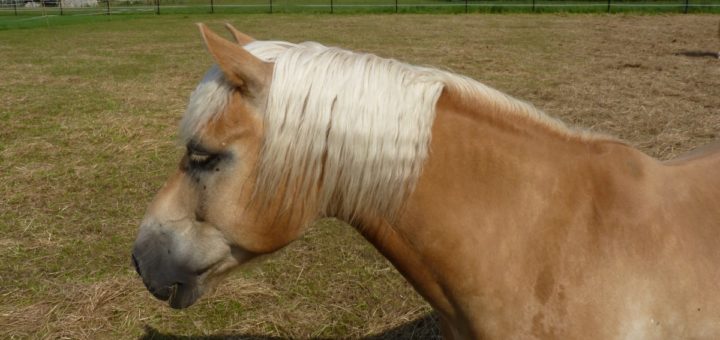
[(355, 126)]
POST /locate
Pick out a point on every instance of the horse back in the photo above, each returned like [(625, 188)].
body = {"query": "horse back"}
[(689, 205), (693, 182), (706, 152)]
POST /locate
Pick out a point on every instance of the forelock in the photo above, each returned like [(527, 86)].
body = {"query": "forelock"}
[(206, 102), (210, 97)]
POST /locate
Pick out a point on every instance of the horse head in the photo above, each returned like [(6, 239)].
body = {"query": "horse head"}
[(203, 222)]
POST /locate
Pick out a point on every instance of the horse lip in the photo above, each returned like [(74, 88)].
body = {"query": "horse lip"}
[(182, 296), (173, 292), (162, 294)]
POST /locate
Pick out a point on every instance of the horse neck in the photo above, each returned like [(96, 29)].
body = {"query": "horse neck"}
[(492, 172)]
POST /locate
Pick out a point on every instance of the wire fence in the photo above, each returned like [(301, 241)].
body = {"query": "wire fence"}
[(113, 7)]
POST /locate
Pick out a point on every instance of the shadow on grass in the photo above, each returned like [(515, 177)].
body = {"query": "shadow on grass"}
[(699, 54), (425, 327)]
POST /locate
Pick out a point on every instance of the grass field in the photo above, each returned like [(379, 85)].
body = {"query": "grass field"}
[(124, 7), (87, 135)]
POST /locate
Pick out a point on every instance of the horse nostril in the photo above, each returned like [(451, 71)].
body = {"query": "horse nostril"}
[(137, 266)]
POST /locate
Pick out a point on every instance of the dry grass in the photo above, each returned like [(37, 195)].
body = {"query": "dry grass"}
[(87, 126)]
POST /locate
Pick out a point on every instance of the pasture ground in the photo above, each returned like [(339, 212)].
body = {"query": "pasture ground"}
[(87, 135)]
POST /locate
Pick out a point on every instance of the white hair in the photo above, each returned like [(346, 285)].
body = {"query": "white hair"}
[(345, 130)]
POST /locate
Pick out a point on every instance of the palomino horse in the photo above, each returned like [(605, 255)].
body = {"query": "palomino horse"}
[(510, 224)]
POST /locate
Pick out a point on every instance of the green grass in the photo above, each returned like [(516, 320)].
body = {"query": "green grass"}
[(87, 136), (117, 7)]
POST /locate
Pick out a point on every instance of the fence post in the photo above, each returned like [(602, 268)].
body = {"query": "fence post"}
[(396, 6), (686, 6), (212, 7), (608, 9), (270, 6), (331, 7), (466, 6), (61, 9), (107, 6), (533, 9), (157, 8), (15, 6)]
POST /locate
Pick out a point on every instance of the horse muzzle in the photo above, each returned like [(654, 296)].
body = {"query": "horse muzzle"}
[(164, 275)]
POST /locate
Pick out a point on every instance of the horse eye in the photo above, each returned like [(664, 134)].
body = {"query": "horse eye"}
[(197, 157), (201, 160)]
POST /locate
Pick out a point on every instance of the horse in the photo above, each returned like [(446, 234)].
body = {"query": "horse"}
[(510, 224)]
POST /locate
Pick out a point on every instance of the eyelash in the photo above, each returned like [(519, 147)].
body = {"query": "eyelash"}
[(200, 160)]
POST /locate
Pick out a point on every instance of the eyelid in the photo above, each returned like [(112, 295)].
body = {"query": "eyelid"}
[(201, 153), (200, 158), (197, 148)]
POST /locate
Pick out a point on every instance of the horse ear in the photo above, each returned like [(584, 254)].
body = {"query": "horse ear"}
[(241, 38), (239, 66)]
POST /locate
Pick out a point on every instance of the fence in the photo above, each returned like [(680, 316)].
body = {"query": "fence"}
[(108, 7)]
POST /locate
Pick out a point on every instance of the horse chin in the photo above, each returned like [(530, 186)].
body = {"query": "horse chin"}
[(184, 295)]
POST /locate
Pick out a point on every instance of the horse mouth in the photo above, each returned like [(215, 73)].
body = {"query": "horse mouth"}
[(182, 296), (162, 294), (178, 295)]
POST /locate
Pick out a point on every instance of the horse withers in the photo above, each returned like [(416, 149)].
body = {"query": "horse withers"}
[(510, 224)]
